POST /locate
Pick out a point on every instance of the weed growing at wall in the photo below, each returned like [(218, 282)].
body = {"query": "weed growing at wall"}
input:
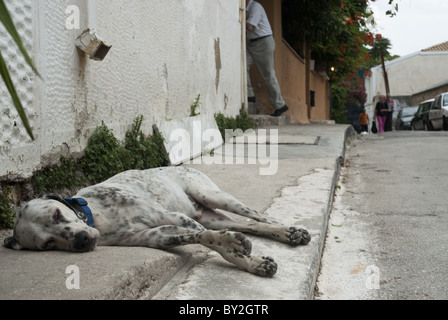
[(104, 157), (241, 121), (194, 106), (6, 213), (68, 175), (146, 152)]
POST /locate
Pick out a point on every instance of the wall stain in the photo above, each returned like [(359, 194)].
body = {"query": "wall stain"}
[(217, 62)]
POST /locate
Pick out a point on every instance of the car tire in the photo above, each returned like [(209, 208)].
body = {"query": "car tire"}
[(445, 124)]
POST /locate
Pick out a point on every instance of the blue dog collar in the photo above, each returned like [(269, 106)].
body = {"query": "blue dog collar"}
[(82, 204)]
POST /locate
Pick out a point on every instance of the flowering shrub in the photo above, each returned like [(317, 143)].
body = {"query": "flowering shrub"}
[(356, 92)]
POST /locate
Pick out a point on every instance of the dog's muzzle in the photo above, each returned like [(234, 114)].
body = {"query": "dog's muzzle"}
[(84, 242)]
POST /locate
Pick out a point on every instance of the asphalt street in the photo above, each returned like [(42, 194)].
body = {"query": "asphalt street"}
[(387, 234)]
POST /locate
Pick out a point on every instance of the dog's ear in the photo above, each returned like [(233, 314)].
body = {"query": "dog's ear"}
[(12, 243)]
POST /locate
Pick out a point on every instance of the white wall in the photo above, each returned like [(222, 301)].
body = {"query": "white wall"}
[(17, 154), (409, 74), (164, 53)]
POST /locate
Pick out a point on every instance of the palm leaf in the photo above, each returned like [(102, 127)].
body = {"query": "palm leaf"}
[(5, 18), (15, 98)]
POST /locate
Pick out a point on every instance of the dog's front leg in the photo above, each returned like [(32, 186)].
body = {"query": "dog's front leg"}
[(235, 248), (232, 246)]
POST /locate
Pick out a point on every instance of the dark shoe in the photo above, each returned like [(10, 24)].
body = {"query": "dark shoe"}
[(251, 99), (279, 112)]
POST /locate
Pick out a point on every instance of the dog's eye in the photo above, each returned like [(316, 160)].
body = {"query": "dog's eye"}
[(57, 216)]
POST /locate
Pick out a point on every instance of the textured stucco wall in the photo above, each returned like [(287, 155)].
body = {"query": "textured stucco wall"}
[(17, 154), (164, 53)]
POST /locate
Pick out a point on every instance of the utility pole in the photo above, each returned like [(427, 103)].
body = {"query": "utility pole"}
[(386, 78)]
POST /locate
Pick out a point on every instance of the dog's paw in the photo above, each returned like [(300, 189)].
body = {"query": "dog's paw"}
[(264, 266), (298, 236), (306, 237), (229, 242), (240, 244)]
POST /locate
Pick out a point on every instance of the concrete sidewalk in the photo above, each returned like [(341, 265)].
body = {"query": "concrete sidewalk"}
[(299, 193)]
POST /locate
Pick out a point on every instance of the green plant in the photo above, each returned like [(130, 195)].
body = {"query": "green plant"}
[(225, 123), (194, 106), (241, 121), (147, 151), (104, 155), (67, 175), (339, 103), (6, 213)]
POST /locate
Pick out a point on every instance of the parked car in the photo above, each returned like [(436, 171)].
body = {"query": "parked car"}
[(404, 117), (420, 120), (438, 114)]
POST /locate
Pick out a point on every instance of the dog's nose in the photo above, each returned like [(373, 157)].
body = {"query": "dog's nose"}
[(83, 242)]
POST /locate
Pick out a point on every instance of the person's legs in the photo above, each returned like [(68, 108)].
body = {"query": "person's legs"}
[(262, 53), (381, 123), (249, 62)]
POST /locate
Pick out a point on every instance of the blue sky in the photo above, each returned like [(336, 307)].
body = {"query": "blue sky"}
[(419, 24)]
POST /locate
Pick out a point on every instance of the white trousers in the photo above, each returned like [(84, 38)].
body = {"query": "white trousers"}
[(261, 52)]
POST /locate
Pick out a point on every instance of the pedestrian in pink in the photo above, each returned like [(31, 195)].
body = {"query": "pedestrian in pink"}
[(381, 111)]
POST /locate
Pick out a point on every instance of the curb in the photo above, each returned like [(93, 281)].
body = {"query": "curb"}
[(339, 162)]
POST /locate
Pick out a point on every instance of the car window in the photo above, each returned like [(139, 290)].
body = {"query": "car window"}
[(445, 100), (408, 111), (437, 103), (426, 106)]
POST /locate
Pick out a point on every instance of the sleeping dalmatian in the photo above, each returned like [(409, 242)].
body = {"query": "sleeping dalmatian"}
[(158, 208)]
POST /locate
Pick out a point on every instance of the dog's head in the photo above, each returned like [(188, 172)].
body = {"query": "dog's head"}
[(47, 223)]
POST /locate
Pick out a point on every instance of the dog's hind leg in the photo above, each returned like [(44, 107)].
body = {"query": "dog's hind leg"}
[(214, 220), (217, 199)]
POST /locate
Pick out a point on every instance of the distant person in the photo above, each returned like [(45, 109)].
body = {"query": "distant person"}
[(260, 50), (381, 111), (390, 106), (364, 121)]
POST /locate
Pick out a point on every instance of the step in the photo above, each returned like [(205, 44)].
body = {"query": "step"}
[(263, 120)]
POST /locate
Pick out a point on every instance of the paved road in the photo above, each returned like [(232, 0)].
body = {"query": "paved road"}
[(387, 236)]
